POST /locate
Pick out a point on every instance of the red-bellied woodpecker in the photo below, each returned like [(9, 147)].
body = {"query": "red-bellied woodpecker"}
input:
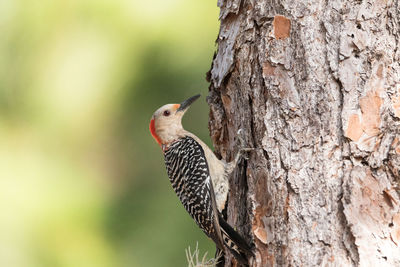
[(197, 176)]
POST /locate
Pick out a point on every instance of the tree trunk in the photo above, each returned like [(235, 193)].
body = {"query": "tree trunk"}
[(315, 86)]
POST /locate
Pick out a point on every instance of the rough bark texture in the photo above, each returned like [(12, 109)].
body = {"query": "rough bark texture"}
[(315, 85)]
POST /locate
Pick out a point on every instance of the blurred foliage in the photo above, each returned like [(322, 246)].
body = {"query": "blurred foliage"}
[(82, 183)]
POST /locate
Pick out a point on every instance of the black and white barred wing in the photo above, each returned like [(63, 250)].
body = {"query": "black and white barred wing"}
[(190, 178)]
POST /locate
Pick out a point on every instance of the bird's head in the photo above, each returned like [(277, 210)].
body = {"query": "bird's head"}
[(166, 123)]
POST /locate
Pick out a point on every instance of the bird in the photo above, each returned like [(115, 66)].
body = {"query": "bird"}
[(198, 177)]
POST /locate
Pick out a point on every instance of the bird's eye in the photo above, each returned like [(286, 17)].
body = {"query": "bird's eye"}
[(167, 113)]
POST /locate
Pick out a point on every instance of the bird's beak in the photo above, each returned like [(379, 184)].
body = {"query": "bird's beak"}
[(185, 104)]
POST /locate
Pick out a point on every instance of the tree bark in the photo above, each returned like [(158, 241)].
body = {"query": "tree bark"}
[(315, 86)]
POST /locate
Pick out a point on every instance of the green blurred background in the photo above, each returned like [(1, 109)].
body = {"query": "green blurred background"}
[(82, 182)]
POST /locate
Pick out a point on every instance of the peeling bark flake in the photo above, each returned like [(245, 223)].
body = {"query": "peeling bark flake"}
[(369, 217), (281, 27), (354, 129), (261, 234), (395, 233), (370, 107), (259, 229)]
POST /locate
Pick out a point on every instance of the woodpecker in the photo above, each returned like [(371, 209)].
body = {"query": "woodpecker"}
[(194, 171)]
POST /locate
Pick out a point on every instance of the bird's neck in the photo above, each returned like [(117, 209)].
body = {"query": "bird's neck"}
[(170, 135)]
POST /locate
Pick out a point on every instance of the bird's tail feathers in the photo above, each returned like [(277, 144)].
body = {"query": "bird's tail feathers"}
[(236, 244)]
